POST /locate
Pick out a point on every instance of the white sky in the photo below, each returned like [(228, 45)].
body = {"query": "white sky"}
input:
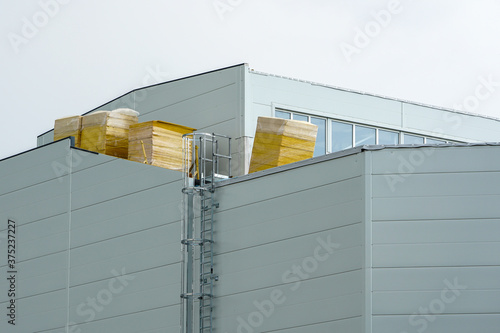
[(86, 53)]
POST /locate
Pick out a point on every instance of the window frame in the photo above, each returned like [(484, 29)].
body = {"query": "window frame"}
[(329, 128)]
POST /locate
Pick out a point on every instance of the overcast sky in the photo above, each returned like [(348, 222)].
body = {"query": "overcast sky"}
[(63, 57)]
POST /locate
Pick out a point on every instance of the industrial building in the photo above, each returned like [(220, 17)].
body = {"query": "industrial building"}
[(393, 226)]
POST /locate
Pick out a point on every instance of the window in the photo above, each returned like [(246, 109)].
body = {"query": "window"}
[(341, 136), (364, 135), (281, 114), (300, 117), (434, 141), (388, 137), (409, 139), (320, 148), (346, 135)]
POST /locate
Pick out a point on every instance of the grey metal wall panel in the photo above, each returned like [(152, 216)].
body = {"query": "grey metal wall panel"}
[(291, 181), (435, 239), (439, 184), (268, 226), (45, 138), (293, 314), (467, 207), (119, 246), (35, 167), (351, 325), (337, 202), (409, 161), (132, 262), (161, 319), (266, 90), (171, 93), (288, 226), (467, 302), (461, 323), (254, 111), (148, 289), (436, 231), (114, 180), (439, 254), (26, 206), (342, 260), (126, 101), (41, 312), (214, 106), (441, 122), (96, 193), (426, 278), (38, 276), (210, 102), (287, 250), (92, 230), (35, 195), (54, 243)]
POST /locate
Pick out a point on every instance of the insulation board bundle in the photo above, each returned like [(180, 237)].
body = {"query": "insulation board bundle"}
[(157, 143), (69, 126), (107, 132), (281, 141)]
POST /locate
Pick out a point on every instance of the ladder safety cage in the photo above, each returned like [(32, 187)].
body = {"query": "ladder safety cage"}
[(206, 160)]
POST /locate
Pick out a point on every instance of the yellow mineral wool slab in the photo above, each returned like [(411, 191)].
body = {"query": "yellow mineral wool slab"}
[(157, 143), (281, 141), (69, 126), (107, 132)]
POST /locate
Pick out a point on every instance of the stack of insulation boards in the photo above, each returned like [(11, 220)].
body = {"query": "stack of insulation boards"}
[(281, 141), (107, 132), (69, 126), (157, 143)]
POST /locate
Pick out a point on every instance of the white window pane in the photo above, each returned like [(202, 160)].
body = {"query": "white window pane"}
[(281, 114), (341, 136), (364, 135), (300, 117), (413, 139), (388, 137), (320, 148), (434, 141)]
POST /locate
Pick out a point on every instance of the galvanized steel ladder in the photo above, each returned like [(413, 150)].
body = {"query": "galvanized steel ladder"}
[(201, 169)]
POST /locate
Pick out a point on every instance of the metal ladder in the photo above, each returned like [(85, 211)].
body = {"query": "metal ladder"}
[(201, 170)]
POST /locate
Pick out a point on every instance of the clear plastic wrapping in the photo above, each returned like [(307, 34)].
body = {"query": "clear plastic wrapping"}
[(106, 132), (68, 126), (281, 141), (157, 143)]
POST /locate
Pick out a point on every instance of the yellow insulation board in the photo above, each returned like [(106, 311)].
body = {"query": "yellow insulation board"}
[(157, 143), (69, 126), (281, 141), (107, 132)]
